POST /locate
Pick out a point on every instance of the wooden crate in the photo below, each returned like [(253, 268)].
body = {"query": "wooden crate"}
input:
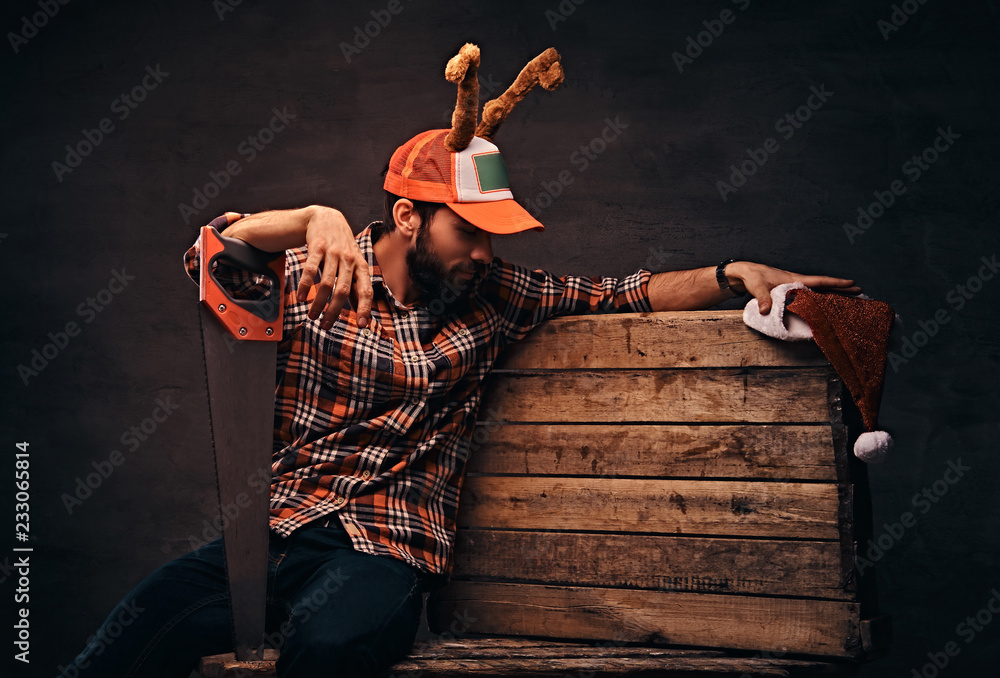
[(665, 478)]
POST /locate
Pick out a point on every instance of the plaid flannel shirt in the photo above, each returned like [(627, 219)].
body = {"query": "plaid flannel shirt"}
[(373, 426)]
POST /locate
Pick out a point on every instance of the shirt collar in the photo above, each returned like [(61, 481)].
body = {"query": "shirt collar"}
[(366, 244)]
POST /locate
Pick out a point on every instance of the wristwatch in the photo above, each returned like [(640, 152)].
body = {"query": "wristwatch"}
[(720, 275)]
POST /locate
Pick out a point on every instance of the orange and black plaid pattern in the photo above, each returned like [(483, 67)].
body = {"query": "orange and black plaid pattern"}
[(373, 426)]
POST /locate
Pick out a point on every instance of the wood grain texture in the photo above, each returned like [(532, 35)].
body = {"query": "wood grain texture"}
[(227, 666), (654, 340), (664, 396), (514, 657), (720, 507), (669, 563), (819, 627), (789, 452), (648, 667)]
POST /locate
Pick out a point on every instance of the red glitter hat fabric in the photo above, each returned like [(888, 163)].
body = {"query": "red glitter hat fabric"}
[(853, 333)]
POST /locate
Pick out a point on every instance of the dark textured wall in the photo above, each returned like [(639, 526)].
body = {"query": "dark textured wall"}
[(650, 198)]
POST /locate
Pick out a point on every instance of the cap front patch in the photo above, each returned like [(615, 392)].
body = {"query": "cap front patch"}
[(491, 172)]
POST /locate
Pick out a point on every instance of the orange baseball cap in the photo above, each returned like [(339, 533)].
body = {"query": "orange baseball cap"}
[(473, 182)]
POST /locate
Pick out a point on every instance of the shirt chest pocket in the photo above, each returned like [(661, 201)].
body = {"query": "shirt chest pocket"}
[(459, 348), (360, 364)]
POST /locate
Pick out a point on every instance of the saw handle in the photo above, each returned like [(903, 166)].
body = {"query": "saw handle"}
[(246, 319)]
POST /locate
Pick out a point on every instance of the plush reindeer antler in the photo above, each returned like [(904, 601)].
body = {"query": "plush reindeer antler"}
[(544, 70), (463, 70)]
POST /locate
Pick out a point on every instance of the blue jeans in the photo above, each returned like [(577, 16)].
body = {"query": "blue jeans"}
[(331, 611)]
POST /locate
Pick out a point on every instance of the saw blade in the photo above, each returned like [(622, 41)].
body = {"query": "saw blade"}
[(240, 378)]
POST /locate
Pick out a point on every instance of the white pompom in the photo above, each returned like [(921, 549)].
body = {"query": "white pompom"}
[(872, 447)]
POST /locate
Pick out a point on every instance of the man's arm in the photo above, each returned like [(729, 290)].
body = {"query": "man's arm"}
[(331, 249), (698, 289)]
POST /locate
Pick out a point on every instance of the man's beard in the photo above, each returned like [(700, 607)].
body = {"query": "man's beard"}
[(439, 288)]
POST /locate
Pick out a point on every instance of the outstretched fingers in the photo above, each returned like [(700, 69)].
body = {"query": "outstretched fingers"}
[(337, 278), (762, 279), (827, 282)]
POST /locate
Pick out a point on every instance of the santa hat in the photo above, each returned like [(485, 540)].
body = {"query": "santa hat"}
[(852, 332)]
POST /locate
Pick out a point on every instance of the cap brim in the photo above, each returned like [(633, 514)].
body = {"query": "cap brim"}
[(499, 216)]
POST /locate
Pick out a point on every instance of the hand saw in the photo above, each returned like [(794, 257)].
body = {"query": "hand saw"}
[(239, 338)]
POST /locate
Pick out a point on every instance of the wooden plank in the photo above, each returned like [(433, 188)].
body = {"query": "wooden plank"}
[(789, 452), (734, 508), (534, 648), (654, 340), (739, 566), (492, 656), (226, 666), (818, 627), (651, 667), (664, 396)]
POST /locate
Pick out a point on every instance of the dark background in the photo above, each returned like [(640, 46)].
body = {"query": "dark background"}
[(649, 199)]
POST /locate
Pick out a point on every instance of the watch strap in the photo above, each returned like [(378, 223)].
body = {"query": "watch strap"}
[(720, 274)]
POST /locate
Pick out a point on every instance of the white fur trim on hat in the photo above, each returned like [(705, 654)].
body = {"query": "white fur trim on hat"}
[(872, 447), (777, 323)]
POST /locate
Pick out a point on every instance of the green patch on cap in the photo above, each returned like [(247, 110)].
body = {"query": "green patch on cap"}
[(491, 171)]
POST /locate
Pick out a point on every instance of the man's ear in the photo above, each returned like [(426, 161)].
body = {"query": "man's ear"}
[(406, 217)]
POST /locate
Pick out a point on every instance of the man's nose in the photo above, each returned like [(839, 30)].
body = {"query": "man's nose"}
[(483, 250)]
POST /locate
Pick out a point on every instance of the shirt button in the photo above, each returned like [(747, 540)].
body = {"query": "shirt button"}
[(403, 314), (462, 332), (416, 401), (365, 475), (338, 500), (367, 332)]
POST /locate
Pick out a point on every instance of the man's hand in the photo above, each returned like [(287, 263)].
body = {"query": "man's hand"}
[(759, 280), (333, 251)]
